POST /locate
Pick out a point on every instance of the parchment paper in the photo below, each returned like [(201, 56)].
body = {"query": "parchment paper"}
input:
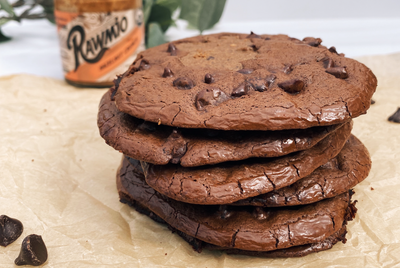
[(58, 177)]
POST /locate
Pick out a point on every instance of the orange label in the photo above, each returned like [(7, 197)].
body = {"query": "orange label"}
[(95, 47)]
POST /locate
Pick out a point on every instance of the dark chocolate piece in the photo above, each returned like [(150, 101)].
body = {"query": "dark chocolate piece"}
[(372, 102), (311, 41), (183, 83), (333, 50), (144, 65), (33, 251), (167, 72), (242, 89), (210, 97), (338, 72), (288, 69), (328, 62), (292, 86), (395, 118), (245, 71), (208, 79), (223, 212), (172, 49), (259, 84), (253, 35), (10, 230)]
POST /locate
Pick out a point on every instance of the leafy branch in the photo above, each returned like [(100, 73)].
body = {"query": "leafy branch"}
[(26, 10)]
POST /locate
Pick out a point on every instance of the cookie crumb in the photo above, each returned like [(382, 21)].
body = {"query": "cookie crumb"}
[(372, 188), (159, 121), (45, 110), (33, 160), (395, 118), (165, 254)]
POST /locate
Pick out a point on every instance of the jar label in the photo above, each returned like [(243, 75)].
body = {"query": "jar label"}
[(95, 47)]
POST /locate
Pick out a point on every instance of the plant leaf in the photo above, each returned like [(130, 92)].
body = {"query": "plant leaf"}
[(172, 5), (147, 5), (202, 14), (155, 35), (3, 38), (3, 20), (7, 7), (161, 15)]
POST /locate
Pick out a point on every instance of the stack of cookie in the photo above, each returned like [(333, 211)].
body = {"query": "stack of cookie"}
[(241, 143)]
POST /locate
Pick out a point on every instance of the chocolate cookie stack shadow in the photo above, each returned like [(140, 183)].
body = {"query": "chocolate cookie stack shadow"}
[(241, 143)]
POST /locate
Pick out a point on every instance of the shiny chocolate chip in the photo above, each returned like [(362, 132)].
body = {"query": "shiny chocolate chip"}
[(10, 230), (33, 251), (333, 50), (292, 86), (288, 69), (208, 97), (338, 72), (270, 79), (311, 41), (328, 62), (242, 89), (259, 84), (253, 35), (245, 71), (259, 213), (208, 79), (210, 58), (254, 47), (167, 72), (267, 38), (144, 65), (172, 49), (395, 118), (223, 212), (183, 83)]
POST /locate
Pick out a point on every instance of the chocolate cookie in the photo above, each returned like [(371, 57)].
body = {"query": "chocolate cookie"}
[(296, 251), (340, 174), (244, 228), (232, 181), (160, 145), (238, 82)]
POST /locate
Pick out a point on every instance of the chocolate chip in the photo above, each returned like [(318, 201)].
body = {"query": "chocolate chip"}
[(267, 38), (245, 71), (223, 212), (167, 72), (338, 72), (333, 50), (33, 251), (210, 58), (254, 47), (172, 49), (372, 102), (292, 86), (288, 69), (253, 35), (270, 79), (311, 41), (10, 230), (395, 117), (144, 65), (259, 213), (259, 84), (208, 79), (210, 97), (242, 89), (183, 83), (328, 62)]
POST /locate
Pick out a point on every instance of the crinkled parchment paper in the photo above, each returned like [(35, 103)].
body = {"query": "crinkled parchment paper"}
[(58, 177)]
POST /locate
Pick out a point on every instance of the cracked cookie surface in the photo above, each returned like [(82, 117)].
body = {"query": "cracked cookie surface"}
[(160, 145), (232, 181), (238, 82), (280, 228)]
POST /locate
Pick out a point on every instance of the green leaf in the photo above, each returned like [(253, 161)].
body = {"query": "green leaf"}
[(161, 15), (7, 7), (3, 38), (155, 35), (3, 20), (172, 5), (147, 5), (202, 14)]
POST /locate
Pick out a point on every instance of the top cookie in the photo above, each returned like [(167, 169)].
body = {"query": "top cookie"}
[(233, 81)]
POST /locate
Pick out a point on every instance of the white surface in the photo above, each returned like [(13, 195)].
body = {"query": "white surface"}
[(34, 47)]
